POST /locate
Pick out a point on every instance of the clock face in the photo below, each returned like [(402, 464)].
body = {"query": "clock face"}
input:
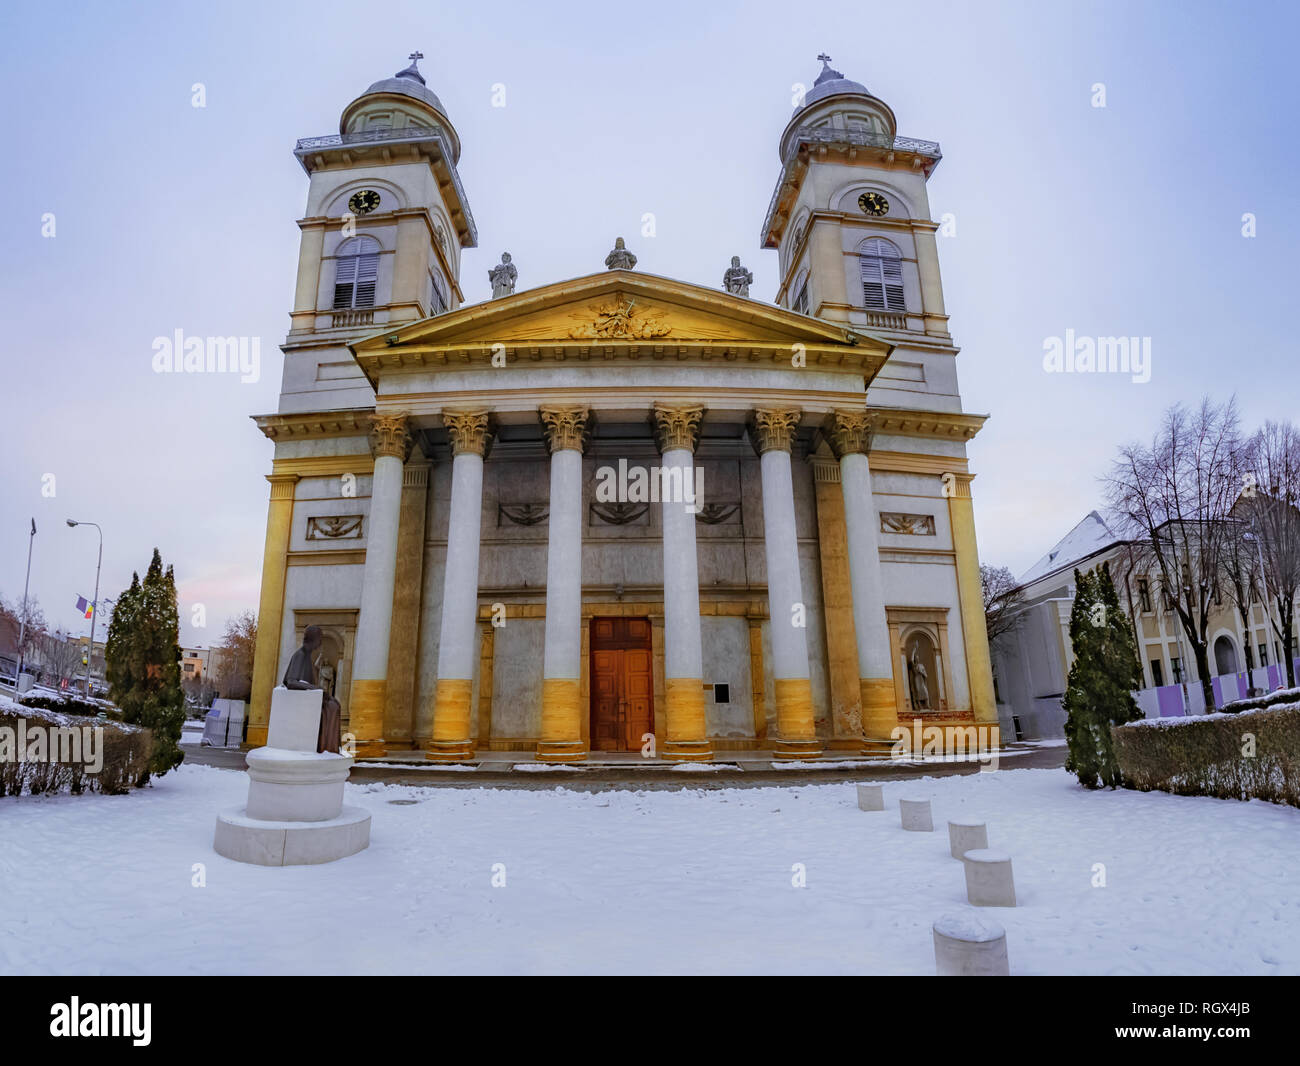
[(873, 204), (363, 202)]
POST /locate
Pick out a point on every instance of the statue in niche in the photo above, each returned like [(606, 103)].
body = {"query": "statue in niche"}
[(503, 277), (918, 680), (737, 279), (301, 674), (620, 258)]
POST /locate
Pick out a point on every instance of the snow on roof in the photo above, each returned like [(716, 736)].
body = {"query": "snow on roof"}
[(1089, 536)]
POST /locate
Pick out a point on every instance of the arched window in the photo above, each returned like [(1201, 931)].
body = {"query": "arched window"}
[(882, 275), (356, 274), (437, 298), (800, 303)]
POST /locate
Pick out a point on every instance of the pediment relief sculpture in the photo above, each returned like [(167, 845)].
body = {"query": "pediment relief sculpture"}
[(620, 319)]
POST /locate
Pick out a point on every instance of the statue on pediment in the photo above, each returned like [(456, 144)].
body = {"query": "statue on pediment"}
[(737, 279), (503, 277), (620, 258)]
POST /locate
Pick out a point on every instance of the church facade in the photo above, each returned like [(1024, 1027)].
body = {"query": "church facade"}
[(623, 512)]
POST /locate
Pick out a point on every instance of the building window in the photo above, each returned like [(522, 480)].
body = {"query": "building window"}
[(1157, 673), (801, 300), (437, 300), (1263, 655), (1176, 665), (882, 275), (1144, 594), (357, 273)]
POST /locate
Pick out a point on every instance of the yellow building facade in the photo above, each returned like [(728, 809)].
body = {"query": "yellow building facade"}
[(623, 512)]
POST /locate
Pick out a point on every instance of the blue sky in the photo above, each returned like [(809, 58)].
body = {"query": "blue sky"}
[(1115, 221)]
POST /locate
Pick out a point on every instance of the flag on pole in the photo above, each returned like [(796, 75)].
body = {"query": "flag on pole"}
[(85, 606)]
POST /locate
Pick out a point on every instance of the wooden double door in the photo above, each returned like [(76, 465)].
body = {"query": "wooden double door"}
[(622, 684)]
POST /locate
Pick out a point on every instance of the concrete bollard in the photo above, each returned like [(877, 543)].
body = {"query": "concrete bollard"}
[(988, 878), (966, 835), (871, 797), (915, 814), (967, 944)]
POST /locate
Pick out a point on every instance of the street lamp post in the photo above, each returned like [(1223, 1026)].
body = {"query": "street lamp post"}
[(94, 606), (22, 624)]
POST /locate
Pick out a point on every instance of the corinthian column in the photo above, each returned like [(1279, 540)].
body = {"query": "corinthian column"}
[(772, 432), (561, 735), (390, 441), (677, 429), (450, 741), (850, 433)]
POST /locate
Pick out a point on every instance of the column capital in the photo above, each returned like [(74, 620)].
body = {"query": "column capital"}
[(677, 426), (282, 485), (390, 434), (469, 431), (565, 427), (850, 432), (772, 429), (956, 484)]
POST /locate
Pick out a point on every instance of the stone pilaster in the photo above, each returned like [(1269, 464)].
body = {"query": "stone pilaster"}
[(970, 594), (404, 641), (270, 610)]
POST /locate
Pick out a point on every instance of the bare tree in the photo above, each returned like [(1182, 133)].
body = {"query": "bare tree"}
[(1002, 600), (60, 656), (11, 617), (1271, 499), (236, 678), (1175, 495), (1241, 572)]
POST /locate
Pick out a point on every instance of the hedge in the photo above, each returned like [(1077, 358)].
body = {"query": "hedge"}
[(1206, 755), (1258, 703), (125, 751)]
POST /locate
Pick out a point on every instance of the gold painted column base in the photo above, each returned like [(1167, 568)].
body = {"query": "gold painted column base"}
[(794, 720), (561, 739), (879, 714), (687, 735), (257, 736), (366, 709), (450, 741)]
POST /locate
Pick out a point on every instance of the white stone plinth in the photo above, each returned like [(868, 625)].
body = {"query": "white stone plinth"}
[(966, 835), (969, 945), (915, 814), (871, 797), (295, 719), (289, 843), (988, 878), (296, 786)]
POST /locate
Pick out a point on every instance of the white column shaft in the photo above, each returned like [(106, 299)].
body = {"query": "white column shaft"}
[(563, 654), (683, 656), (374, 624), (784, 588), (460, 587), (864, 568)]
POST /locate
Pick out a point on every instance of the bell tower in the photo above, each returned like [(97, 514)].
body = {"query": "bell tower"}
[(382, 235), (850, 220)]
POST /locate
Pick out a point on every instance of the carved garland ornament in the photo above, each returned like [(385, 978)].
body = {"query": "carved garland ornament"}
[(468, 430), (773, 429), (677, 426), (390, 434), (334, 527), (566, 427)]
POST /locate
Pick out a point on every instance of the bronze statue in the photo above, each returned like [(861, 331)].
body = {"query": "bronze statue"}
[(301, 674)]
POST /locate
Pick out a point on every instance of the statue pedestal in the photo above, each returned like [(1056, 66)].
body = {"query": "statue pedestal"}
[(295, 813)]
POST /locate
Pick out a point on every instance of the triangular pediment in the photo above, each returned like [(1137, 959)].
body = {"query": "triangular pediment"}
[(618, 307)]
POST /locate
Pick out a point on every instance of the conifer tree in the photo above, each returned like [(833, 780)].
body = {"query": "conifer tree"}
[(142, 658), (1104, 674)]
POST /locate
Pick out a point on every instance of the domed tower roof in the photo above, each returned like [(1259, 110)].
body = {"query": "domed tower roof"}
[(831, 83), (409, 82), (402, 101)]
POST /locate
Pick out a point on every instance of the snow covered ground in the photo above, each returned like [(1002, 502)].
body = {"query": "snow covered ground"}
[(663, 882)]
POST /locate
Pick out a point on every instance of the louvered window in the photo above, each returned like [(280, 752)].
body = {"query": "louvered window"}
[(801, 300), (882, 276), (357, 273), (438, 302)]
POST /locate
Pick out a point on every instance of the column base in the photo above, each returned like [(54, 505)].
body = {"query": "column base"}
[(366, 717), (561, 721), (879, 714), (794, 720), (257, 736), (684, 710), (450, 742)]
